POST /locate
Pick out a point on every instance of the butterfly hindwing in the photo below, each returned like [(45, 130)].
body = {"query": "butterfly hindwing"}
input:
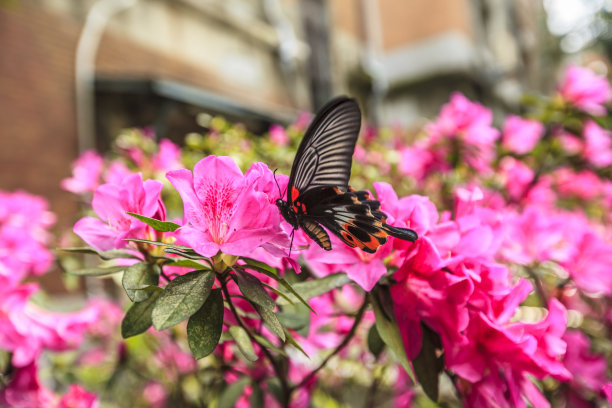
[(343, 214), (315, 232)]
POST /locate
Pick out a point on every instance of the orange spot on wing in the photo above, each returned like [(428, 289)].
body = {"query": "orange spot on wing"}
[(349, 240), (372, 244)]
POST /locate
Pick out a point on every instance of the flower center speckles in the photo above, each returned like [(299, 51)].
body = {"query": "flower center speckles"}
[(218, 204)]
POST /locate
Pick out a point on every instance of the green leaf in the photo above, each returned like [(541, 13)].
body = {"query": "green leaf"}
[(188, 263), (287, 299), (138, 318), (296, 317), (109, 270), (389, 333), (230, 395), (257, 397), (158, 243), (181, 298), (139, 276), (271, 321), (375, 344), (268, 344), (258, 266), (243, 342), (297, 296), (162, 226), (317, 287), (277, 292), (105, 255), (253, 290), (429, 363), (193, 255), (294, 343), (205, 326)]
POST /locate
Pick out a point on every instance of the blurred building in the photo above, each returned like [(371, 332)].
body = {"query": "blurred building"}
[(75, 72)]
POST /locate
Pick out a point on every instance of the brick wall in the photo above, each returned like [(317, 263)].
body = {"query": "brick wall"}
[(37, 116)]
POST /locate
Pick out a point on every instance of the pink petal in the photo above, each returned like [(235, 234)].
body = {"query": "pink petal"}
[(95, 233)]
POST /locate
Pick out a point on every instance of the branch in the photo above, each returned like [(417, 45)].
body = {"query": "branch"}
[(340, 346), (277, 368)]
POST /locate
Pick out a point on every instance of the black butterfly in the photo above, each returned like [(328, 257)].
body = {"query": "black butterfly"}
[(318, 193)]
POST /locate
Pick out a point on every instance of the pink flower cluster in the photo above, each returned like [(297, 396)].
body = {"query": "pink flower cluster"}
[(26, 330), (451, 281), (462, 131), (583, 89), (90, 169)]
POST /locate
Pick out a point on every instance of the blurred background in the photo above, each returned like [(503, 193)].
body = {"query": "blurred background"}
[(73, 73)]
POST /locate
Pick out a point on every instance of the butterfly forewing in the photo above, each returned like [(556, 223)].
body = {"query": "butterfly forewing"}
[(325, 155), (318, 194)]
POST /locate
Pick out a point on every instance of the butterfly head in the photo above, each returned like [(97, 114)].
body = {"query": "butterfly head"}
[(287, 212)]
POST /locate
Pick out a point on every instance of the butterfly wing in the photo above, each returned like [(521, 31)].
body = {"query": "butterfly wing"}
[(324, 157), (352, 216)]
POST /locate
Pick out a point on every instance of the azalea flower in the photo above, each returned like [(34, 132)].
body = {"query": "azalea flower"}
[(78, 397), (26, 330), (585, 90), (86, 173), (111, 202), (588, 369), (598, 145), (25, 390), (278, 135), (470, 123), (225, 210), (168, 157), (521, 135)]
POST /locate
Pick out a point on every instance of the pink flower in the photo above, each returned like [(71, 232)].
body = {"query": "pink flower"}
[(226, 210), (598, 145), (25, 390), (516, 349), (111, 202), (517, 177), (278, 135), (521, 135), (155, 395), (21, 255), (470, 123), (168, 157), (584, 184), (585, 90), (540, 234), (302, 121), (27, 330), (362, 268), (570, 143), (607, 391), (78, 397), (417, 161), (86, 173), (426, 293), (117, 172), (589, 264), (588, 369)]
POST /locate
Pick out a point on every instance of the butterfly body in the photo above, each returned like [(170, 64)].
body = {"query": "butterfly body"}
[(318, 194)]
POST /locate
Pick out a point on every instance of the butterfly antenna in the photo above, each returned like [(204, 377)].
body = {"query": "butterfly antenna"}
[(291, 244), (279, 190)]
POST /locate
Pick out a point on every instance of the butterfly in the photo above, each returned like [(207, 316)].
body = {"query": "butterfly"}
[(318, 194)]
